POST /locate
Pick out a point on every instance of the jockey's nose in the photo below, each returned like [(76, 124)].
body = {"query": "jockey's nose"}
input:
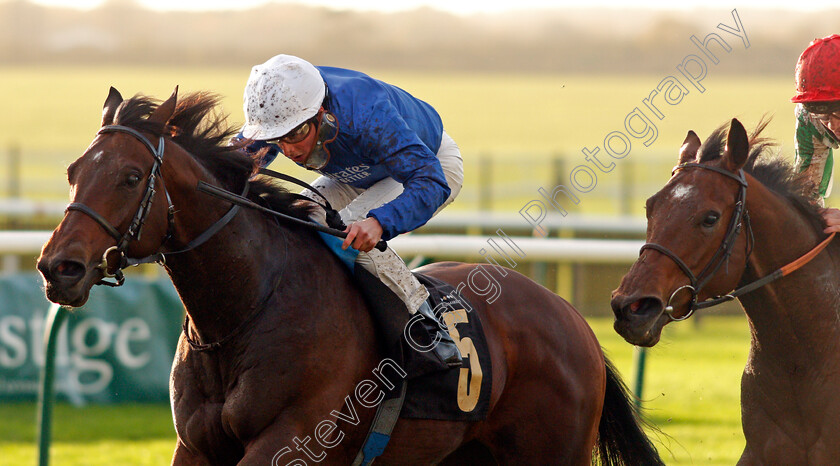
[(296, 152)]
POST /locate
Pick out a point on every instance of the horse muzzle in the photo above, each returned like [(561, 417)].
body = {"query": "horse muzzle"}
[(67, 281), (639, 319)]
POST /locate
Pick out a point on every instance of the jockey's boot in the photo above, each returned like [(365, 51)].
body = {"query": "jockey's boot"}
[(445, 349), (391, 287), (407, 297)]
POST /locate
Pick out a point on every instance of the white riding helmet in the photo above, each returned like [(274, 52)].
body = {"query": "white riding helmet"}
[(282, 93)]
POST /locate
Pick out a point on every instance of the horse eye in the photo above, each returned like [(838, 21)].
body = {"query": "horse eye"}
[(711, 219), (132, 180)]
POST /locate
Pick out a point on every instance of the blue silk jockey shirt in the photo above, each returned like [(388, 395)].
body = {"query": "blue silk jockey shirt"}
[(383, 132)]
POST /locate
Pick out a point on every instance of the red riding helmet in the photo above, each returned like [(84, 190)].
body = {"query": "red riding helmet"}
[(818, 71)]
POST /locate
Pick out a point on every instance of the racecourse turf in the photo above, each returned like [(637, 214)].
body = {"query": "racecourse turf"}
[(691, 394)]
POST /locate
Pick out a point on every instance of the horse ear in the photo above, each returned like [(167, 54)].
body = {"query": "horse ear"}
[(164, 112), (113, 101), (689, 148), (737, 146)]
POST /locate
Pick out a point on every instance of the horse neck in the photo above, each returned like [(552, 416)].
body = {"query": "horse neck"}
[(229, 277), (797, 312)]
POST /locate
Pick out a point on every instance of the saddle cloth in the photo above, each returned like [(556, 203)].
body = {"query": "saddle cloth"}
[(460, 393), (456, 394)]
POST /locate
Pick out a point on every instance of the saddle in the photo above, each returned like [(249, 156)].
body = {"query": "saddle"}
[(426, 390), (454, 394)]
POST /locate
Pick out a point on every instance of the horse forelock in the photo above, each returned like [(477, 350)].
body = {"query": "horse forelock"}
[(713, 146), (197, 128), (203, 131)]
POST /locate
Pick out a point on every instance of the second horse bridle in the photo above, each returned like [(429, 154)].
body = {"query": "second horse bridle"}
[(740, 217)]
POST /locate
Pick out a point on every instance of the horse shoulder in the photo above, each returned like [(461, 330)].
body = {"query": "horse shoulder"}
[(197, 410)]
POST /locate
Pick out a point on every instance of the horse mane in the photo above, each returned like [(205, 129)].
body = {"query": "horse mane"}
[(199, 128), (770, 168)]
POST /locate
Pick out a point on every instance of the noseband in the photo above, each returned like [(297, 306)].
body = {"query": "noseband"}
[(739, 218), (134, 230)]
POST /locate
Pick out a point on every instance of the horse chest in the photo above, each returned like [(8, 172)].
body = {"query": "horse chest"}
[(212, 408), (789, 412)]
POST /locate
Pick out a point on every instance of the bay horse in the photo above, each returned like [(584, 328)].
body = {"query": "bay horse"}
[(278, 335), (729, 217)]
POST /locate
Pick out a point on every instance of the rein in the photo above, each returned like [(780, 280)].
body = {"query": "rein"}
[(244, 202), (134, 230), (739, 218), (333, 218), (773, 276)]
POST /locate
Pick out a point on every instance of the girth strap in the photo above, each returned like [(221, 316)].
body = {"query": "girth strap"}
[(384, 421)]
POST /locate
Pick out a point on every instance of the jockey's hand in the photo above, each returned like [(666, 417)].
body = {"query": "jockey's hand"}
[(831, 217), (365, 234)]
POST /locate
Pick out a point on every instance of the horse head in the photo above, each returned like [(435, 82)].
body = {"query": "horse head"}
[(696, 247), (118, 204)]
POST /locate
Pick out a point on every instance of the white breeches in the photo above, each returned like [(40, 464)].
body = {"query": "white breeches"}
[(353, 204)]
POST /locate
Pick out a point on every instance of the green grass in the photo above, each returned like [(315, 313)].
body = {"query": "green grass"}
[(691, 393), (52, 114), (691, 387), (58, 108), (139, 434)]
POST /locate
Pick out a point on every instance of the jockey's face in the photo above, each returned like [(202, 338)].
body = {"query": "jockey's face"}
[(299, 151), (832, 122), (298, 144)]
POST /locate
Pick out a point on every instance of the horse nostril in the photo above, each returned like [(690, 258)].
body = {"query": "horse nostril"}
[(67, 271), (644, 306), (638, 307)]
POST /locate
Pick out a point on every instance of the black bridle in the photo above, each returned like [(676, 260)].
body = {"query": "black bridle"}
[(135, 228), (740, 217)]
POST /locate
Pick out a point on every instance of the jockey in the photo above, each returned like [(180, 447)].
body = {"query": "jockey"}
[(818, 118), (386, 163)]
